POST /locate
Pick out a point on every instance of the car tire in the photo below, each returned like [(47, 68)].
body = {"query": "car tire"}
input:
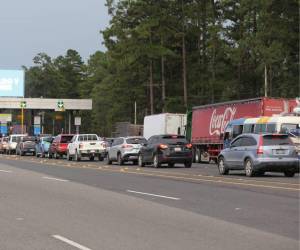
[(69, 158), (119, 159), (109, 161), (56, 155), (171, 165), (188, 164), (249, 170), (197, 156), (77, 157), (21, 153), (156, 162), (140, 161), (289, 173), (221, 166), (92, 158)]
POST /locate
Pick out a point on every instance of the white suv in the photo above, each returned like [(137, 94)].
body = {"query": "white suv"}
[(86, 145), (13, 142)]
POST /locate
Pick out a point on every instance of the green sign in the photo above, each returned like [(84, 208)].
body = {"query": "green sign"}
[(23, 104), (60, 105)]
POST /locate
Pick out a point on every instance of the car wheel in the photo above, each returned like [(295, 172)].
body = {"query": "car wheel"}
[(249, 168), (221, 166), (289, 173), (68, 156), (156, 162), (77, 157), (197, 156), (120, 161), (109, 161), (21, 153), (56, 155), (92, 158), (188, 164), (140, 161)]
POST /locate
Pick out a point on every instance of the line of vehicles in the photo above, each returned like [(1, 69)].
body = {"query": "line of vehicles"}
[(256, 135)]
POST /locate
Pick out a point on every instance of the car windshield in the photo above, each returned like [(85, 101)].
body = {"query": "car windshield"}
[(66, 138), (88, 138), (272, 140), (47, 139), (14, 139), (136, 141), (174, 139)]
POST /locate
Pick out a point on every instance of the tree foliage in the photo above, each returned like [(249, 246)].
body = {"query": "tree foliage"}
[(169, 55)]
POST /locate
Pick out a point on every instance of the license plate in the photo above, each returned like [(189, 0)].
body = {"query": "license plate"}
[(177, 149), (279, 151)]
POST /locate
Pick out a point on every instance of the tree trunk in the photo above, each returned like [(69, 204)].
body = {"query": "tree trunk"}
[(163, 81), (213, 64), (151, 87), (184, 79)]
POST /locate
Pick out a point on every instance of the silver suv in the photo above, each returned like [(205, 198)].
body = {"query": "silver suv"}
[(257, 154), (125, 149)]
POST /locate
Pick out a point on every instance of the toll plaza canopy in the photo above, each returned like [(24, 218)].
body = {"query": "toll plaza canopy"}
[(45, 103)]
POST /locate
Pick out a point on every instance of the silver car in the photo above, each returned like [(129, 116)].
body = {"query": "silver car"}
[(125, 149), (260, 153)]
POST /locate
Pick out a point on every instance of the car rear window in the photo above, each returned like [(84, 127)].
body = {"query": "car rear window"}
[(270, 140), (48, 139), (66, 138), (28, 139), (174, 139), (136, 141), (88, 138)]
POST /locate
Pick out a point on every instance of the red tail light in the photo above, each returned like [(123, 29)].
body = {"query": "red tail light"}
[(127, 146), (163, 146), (189, 145), (260, 150)]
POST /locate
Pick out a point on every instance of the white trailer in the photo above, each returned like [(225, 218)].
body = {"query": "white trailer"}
[(166, 123)]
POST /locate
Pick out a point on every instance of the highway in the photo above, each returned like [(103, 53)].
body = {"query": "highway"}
[(56, 204)]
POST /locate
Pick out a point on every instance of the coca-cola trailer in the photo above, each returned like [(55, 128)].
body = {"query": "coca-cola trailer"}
[(207, 123)]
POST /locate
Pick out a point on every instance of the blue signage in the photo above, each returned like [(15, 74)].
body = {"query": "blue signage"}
[(11, 83), (37, 130), (3, 129)]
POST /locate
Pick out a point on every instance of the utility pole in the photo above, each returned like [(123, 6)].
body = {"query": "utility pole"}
[(266, 81), (135, 112)]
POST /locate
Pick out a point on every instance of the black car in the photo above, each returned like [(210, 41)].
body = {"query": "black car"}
[(170, 149)]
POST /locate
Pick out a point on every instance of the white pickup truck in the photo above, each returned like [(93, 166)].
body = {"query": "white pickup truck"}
[(86, 145)]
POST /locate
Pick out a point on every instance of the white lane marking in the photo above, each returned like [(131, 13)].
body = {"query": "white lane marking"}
[(54, 179), (70, 242), (5, 171), (155, 195)]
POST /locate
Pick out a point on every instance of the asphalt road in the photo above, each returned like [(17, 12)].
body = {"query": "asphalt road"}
[(56, 204)]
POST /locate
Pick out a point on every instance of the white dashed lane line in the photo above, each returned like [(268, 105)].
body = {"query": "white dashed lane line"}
[(5, 171), (154, 195), (70, 242), (54, 179)]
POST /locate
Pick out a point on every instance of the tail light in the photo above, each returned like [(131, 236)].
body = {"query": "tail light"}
[(260, 150), (127, 146), (163, 146), (189, 146), (80, 145)]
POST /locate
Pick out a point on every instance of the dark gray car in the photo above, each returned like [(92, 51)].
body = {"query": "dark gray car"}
[(260, 153)]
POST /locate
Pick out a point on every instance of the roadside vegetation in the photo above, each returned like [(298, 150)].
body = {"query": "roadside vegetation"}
[(168, 56)]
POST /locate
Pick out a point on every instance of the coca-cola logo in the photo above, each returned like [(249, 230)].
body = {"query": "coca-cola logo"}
[(218, 122)]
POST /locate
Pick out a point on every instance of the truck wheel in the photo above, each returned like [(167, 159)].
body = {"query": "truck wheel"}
[(221, 166), (156, 162), (197, 156), (140, 161)]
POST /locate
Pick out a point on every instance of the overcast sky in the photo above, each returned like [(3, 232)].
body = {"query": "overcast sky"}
[(28, 27)]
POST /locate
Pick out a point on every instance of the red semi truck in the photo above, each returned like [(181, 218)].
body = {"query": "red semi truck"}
[(207, 123)]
